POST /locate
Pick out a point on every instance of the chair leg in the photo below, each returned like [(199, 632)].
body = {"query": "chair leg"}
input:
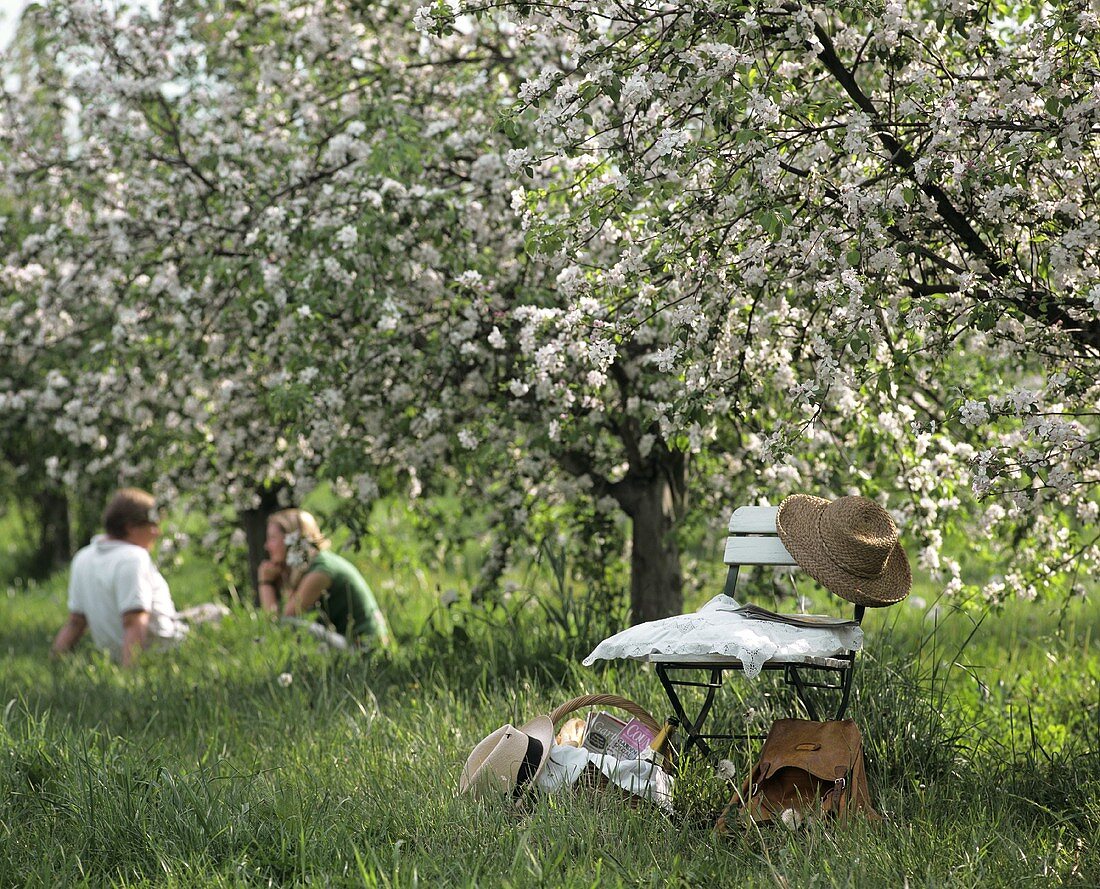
[(712, 689), (802, 690), (691, 727), (792, 676), (846, 690)]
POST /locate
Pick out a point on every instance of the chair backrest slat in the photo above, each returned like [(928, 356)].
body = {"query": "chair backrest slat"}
[(753, 520), (754, 540), (757, 551)]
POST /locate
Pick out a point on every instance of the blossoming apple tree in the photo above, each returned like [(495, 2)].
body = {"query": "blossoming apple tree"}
[(271, 246), (604, 254), (885, 213)]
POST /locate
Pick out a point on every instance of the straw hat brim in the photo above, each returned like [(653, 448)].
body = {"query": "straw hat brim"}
[(797, 524), (489, 752)]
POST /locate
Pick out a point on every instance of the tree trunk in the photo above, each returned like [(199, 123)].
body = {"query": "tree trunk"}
[(254, 523), (86, 512), (656, 584), (655, 505), (53, 549)]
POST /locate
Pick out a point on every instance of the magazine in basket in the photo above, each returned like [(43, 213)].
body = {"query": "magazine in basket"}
[(612, 736), (600, 730), (633, 740)]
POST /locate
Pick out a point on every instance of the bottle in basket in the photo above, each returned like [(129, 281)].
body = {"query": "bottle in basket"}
[(648, 775), (659, 749)]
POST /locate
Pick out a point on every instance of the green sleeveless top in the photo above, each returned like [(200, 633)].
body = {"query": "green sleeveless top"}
[(348, 604)]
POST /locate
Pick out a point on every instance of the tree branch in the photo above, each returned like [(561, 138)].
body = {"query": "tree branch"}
[(1040, 306)]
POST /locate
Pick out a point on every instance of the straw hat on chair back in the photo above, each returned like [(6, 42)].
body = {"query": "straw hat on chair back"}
[(850, 546)]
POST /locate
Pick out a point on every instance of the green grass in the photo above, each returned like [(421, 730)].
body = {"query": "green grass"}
[(199, 768)]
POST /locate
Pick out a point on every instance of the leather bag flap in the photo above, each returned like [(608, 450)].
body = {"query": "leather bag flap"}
[(827, 750)]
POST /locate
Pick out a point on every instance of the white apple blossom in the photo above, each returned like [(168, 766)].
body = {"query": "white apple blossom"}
[(973, 413), (592, 239)]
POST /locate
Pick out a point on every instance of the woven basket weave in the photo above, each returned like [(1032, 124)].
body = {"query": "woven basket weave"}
[(606, 700)]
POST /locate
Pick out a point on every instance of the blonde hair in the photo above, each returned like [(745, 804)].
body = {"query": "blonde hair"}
[(129, 508), (310, 541)]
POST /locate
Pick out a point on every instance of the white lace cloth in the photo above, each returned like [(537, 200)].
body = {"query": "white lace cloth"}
[(715, 632), (640, 777)]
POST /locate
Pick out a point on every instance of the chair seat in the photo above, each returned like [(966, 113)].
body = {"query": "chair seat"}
[(773, 663), (717, 634)]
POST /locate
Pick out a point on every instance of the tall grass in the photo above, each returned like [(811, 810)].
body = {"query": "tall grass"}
[(201, 768)]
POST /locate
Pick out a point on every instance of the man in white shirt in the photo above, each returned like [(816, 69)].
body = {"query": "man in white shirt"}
[(116, 591)]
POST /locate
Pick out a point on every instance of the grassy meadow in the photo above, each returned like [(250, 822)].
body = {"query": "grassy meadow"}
[(203, 768)]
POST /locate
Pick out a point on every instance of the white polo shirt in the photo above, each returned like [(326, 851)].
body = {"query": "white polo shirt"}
[(111, 577)]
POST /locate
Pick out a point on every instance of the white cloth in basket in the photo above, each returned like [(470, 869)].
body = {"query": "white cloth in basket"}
[(640, 777), (715, 631)]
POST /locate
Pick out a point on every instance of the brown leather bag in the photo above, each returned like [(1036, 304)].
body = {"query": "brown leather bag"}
[(812, 768)]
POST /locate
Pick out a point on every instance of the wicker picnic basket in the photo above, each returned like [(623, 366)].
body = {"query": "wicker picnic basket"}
[(606, 700)]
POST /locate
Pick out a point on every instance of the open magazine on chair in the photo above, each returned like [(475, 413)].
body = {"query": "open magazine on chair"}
[(809, 621)]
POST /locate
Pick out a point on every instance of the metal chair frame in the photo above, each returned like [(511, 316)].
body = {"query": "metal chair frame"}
[(753, 541)]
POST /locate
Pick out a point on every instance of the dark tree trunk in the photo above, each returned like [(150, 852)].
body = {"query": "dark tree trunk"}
[(656, 584), (53, 548), (655, 504), (254, 523)]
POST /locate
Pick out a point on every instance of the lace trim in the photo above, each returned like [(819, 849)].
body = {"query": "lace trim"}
[(715, 630)]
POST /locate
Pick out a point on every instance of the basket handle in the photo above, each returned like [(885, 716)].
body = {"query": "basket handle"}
[(611, 701)]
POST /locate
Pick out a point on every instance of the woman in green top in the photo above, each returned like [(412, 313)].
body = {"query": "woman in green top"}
[(303, 573)]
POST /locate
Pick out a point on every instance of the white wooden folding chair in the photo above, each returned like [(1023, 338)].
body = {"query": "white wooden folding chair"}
[(753, 540)]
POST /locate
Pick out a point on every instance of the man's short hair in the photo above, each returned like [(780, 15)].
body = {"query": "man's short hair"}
[(129, 508)]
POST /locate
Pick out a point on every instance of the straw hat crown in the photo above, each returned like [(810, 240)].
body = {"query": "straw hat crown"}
[(510, 759), (849, 545), (858, 534)]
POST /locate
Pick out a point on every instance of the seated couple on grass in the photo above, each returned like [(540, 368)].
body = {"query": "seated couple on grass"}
[(303, 574), (117, 592)]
